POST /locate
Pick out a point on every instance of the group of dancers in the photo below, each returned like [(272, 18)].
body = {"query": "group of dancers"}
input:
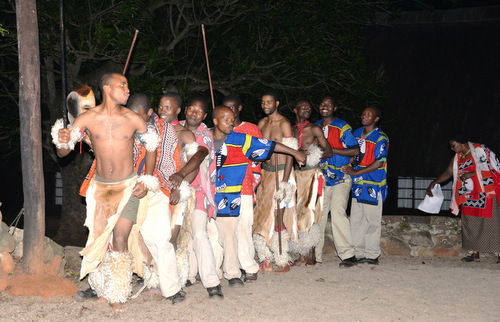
[(172, 201)]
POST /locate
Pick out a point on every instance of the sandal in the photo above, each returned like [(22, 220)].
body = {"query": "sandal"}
[(473, 257)]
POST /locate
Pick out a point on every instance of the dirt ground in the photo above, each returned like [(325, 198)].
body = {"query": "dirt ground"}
[(400, 288)]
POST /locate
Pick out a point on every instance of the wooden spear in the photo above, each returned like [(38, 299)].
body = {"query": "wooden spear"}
[(208, 66), (129, 52)]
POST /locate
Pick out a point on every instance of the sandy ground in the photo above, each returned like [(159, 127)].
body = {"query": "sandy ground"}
[(400, 288)]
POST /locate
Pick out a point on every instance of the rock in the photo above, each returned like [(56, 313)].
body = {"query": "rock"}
[(421, 238), (3, 227), (6, 262), (422, 252), (7, 243), (72, 258), (396, 246), (445, 252), (54, 267)]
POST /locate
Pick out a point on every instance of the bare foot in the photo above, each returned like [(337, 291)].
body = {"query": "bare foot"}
[(311, 258), (301, 261), (118, 307), (266, 266), (101, 300), (283, 269)]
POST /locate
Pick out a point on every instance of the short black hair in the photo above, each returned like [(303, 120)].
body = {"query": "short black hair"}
[(460, 137), (139, 102), (301, 100), (106, 80), (198, 98), (378, 111), (273, 93), (233, 97), (175, 96), (330, 96)]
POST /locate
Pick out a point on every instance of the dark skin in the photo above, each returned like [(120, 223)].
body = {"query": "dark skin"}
[(464, 152), (369, 120), (224, 124), (327, 108), (311, 134), (236, 108), (111, 129)]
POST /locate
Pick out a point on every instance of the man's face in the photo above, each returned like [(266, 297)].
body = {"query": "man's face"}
[(195, 113), (224, 122), (118, 90), (369, 117), (268, 104), (233, 105), (303, 110), (327, 107), (168, 109)]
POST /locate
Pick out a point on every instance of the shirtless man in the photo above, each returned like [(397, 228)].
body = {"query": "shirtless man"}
[(253, 175), (277, 128), (310, 183), (114, 194)]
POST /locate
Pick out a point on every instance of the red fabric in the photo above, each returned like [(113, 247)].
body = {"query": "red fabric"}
[(301, 131), (487, 210), (320, 186)]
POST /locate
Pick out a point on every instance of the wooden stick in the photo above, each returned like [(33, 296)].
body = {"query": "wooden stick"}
[(63, 64), (208, 66), (278, 215), (130, 52)]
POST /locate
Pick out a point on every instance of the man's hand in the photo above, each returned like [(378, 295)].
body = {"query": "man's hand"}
[(176, 180), (175, 196), (300, 157), (140, 190), (64, 135), (348, 169)]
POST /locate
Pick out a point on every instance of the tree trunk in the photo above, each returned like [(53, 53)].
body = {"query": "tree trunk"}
[(71, 230), (31, 136)]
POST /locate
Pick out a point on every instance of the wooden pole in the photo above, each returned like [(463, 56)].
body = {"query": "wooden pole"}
[(130, 52), (31, 136), (278, 211), (63, 63), (208, 67)]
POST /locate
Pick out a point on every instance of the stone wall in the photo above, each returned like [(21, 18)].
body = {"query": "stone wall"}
[(415, 236), (421, 236)]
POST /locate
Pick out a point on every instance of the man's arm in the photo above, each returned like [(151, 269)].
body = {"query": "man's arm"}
[(323, 143), (190, 170), (371, 167), (299, 156), (64, 135)]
